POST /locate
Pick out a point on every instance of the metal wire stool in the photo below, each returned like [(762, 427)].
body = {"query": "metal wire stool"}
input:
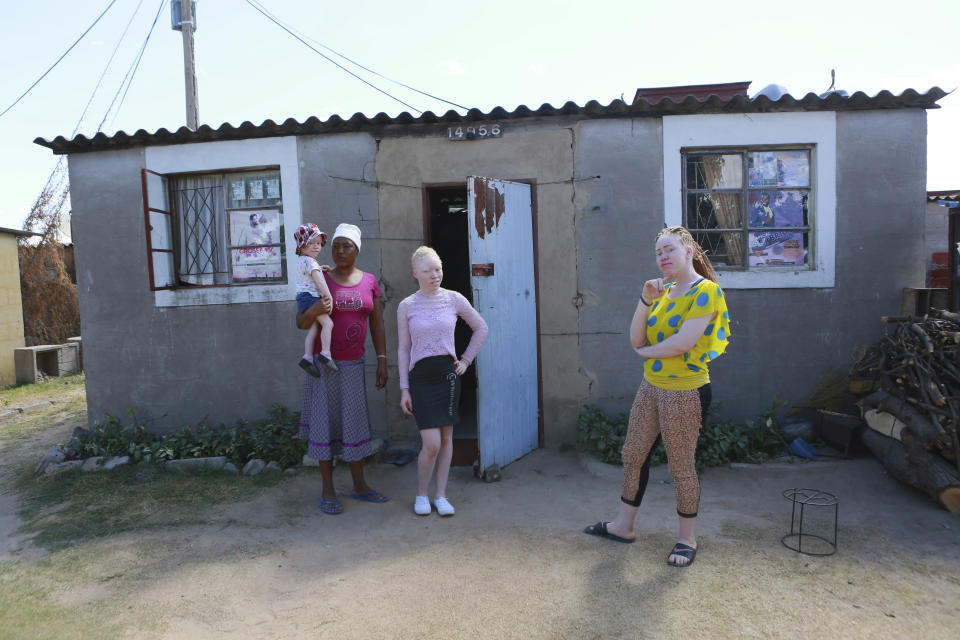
[(813, 498)]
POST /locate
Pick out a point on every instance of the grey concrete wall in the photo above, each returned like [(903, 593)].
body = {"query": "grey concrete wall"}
[(338, 184), (618, 217), (177, 365), (539, 151), (806, 333), (784, 340)]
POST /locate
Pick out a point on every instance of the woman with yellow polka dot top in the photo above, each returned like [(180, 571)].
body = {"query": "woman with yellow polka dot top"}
[(680, 325)]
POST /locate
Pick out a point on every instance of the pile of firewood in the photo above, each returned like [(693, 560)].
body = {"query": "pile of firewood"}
[(914, 410)]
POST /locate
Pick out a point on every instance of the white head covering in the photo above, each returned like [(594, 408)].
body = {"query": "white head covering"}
[(349, 231)]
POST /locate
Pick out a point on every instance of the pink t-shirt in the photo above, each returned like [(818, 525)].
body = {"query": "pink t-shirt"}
[(425, 324), (352, 305)]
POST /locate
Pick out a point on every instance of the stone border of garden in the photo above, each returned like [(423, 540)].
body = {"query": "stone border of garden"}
[(55, 461)]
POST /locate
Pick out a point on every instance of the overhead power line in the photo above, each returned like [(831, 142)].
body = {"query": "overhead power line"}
[(106, 68), (274, 20), (354, 62), (131, 73), (30, 88)]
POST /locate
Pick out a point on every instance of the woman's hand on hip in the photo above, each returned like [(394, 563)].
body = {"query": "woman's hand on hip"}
[(653, 289), (461, 367), (406, 404)]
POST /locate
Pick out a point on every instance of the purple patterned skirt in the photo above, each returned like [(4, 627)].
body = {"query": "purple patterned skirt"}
[(335, 419)]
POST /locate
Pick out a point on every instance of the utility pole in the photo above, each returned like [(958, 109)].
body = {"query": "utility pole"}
[(187, 25)]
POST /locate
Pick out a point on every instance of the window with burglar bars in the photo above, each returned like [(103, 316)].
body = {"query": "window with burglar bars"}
[(750, 208), (227, 228)]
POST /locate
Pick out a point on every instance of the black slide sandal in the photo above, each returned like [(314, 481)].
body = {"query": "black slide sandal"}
[(600, 530)]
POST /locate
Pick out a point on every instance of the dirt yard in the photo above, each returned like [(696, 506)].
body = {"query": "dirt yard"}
[(142, 554)]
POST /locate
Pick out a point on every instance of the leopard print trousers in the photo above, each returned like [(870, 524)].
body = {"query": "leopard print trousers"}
[(675, 416)]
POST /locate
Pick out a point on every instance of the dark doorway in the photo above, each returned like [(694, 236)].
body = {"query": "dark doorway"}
[(446, 231)]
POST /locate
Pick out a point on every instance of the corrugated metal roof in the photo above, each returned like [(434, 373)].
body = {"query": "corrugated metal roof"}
[(953, 195), (592, 110)]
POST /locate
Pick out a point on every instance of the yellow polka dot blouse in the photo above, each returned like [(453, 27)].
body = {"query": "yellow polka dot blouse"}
[(687, 370)]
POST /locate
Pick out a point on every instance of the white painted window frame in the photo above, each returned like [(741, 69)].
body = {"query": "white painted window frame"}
[(818, 129), (226, 156)]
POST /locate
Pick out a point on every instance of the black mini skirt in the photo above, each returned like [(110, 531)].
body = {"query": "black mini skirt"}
[(435, 392)]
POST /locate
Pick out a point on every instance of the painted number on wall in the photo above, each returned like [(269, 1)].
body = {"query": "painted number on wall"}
[(474, 132)]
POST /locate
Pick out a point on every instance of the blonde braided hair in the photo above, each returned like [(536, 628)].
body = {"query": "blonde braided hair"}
[(701, 263)]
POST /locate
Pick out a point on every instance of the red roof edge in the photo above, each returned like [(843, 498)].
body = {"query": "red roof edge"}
[(724, 90)]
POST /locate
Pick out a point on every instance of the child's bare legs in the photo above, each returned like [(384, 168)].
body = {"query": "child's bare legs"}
[(326, 334), (311, 339)]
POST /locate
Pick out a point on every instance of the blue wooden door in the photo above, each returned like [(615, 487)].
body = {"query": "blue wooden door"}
[(500, 224)]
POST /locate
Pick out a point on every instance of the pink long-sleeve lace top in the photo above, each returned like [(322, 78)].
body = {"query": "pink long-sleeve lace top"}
[(425, 323)]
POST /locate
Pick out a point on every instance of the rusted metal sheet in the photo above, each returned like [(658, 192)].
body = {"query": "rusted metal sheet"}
[(482, 270), (488, 205)]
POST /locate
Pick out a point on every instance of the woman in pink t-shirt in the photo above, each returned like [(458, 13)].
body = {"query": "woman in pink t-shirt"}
[(335, 418), (430, 371)]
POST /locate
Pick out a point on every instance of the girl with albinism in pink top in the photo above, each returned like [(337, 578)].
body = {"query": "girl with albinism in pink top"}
[(430, 371)]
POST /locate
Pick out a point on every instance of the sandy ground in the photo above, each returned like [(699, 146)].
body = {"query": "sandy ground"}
[(514, 563)]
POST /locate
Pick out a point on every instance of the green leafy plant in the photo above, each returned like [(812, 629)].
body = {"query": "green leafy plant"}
[(113, 438), (720, 442), (271, 438), (603, 436)]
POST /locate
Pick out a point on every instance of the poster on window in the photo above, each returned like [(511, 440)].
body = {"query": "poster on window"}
[(779, 169), (249, 231), (776, 248), (238, 189), (785, 208), (273, 189)]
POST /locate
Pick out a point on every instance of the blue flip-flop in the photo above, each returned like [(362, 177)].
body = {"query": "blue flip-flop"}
[(370, 496), (331, 507)]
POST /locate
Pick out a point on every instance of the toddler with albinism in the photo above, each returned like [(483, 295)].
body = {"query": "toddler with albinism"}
[(311, 287)]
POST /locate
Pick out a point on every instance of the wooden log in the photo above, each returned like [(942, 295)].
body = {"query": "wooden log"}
[(891, 426), (872, 400), (935, 394), (926, 430), (918, 330), (884, 423), (947, 315), (913, 465), (897, 319)]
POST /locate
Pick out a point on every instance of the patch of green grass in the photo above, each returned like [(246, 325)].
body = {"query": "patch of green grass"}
[(29, 609), (74, 507), (72, 410), (28, 393)]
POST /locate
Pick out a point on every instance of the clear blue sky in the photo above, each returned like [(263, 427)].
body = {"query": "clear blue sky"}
[(480, 55)]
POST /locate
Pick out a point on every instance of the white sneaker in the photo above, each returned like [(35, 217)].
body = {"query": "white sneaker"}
[(421, 506), (444, 508)]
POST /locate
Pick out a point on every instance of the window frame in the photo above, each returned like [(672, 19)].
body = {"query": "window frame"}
[(225, 156), (744, 191), (225, 175), (788, 128)]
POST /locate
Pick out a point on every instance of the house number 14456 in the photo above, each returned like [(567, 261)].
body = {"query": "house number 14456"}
[(474, 132)]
